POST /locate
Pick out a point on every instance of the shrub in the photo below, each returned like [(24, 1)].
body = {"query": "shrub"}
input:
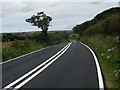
[(94, 29), (22, 44)]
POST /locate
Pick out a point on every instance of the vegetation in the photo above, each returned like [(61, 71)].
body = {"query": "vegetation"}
[(20, 48), (102, 23), (102, 34), (41, 20), (23, 43), (107, 52)]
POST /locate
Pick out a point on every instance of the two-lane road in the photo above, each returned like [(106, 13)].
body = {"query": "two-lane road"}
[(71, 66)]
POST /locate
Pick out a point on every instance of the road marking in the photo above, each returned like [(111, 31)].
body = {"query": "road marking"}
[(100, 78), (50, 60), (38, 72)]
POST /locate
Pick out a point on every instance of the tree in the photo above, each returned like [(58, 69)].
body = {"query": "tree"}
[(41, 20)]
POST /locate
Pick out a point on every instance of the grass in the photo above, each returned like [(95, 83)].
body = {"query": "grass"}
[(6, 44), (23, 43), (106, 48), (19, 48)]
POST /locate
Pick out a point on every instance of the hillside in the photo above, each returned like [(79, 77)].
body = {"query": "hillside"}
[(105, 23)]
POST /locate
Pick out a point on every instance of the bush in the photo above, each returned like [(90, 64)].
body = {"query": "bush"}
[(57, 37), (18, 44), (112, 25), (22, 44), (94, 29)]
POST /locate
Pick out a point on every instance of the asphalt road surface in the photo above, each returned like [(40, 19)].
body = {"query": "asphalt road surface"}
[(69, 65)]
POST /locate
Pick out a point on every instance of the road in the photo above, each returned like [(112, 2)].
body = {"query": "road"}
[(60, 66)]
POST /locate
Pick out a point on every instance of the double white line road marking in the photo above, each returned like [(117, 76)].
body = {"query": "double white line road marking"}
[(34, 72)]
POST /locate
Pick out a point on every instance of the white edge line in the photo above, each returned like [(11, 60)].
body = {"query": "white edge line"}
[(100, 78), (27, 74), (38, 72), (25, 55)]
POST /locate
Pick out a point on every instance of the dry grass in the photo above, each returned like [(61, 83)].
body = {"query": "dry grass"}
[(6, 45), (14, 49)]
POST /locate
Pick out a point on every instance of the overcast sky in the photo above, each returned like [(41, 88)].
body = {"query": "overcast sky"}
[(65, 14)]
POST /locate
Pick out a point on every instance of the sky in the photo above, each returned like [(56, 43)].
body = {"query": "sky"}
[(65, 13)]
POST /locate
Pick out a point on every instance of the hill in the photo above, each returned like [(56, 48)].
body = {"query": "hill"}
[(106, 22)]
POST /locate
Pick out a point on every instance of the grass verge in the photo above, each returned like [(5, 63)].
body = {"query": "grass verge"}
[(106, 48), (19, 48)]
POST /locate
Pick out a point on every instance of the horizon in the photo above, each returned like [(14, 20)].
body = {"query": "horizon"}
[(37, 31)]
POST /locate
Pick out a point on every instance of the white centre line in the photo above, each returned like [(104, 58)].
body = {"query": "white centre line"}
[(30, 72), (38, 72)]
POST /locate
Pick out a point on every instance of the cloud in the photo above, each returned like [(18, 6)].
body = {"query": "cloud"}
[(60, 1), (65, 14)]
